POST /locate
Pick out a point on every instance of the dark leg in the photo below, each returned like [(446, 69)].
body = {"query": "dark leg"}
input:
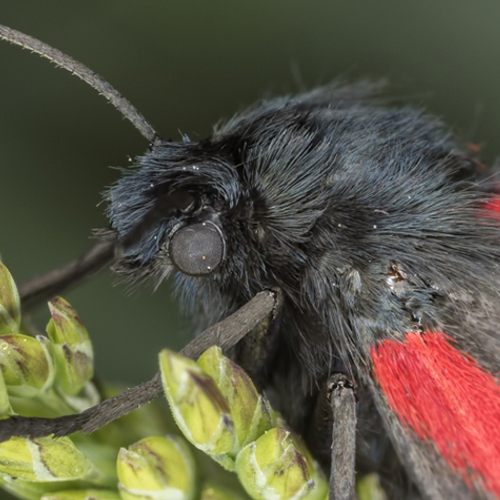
[(102, 254), (224, 334), (343, 405), (256, 351)]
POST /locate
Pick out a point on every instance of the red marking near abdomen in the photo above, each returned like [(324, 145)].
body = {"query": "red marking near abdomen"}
[(447, 398), (493, 207)]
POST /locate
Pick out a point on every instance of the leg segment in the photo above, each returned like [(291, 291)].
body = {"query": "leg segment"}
[(224, 334), (342, 400)]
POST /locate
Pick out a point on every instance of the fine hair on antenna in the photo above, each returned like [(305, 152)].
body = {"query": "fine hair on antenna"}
[(86, 74), (102, 254)]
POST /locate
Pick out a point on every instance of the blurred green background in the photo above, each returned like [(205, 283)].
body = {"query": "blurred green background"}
[(186, 65)]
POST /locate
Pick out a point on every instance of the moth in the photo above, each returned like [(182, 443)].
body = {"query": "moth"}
[(380, 234)]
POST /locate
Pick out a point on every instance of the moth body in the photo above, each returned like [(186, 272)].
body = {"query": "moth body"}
[(373, 221)]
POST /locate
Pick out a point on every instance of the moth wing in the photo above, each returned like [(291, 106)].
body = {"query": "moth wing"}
[(441, 409)]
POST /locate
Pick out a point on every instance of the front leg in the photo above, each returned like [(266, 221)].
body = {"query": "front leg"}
[(342, 399), (256, 351), (224, 334), (332, 433)]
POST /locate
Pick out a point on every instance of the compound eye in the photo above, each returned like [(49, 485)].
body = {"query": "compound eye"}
[(197, 249)]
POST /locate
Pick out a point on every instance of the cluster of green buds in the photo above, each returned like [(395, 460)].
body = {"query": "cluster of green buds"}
[(50, 375), (253, 454), (218, 409), (44, 374)]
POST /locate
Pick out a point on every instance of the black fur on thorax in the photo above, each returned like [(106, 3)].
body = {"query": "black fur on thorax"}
[(332, 198)]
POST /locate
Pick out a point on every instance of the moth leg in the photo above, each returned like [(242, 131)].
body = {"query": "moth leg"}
[(224, 334), (104, 253), (342, 400), (256, 351)]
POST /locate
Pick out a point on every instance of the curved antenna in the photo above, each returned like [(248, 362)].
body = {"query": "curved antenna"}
[(87, 75), (102, 254)]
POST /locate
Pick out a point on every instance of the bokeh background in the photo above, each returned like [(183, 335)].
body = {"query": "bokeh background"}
[(186, 65)]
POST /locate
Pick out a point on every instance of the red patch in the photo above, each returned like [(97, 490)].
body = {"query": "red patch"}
[(447, 398), (493, 207)]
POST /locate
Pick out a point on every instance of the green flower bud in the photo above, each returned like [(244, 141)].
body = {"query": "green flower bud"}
[(159, 468), (44, 460), (276, 467), (72, 348), (213, 492), (26, 365), (5, 408), (251, 413), (82, 495), (368, 488), (10, 310), (198, 407)]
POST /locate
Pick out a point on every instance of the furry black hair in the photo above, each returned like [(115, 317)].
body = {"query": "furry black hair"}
[(368, 217)]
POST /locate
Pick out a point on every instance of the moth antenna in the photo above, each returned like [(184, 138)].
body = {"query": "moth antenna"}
[(86, 74), (102, 254)]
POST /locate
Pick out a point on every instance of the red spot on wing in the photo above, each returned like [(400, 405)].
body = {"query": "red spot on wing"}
[(447, 398), (493, 207)]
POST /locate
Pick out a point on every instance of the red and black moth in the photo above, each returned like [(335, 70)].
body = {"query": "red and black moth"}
[(375, 227), (445, 398)]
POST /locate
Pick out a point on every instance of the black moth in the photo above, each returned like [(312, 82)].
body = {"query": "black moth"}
[(372, 222)]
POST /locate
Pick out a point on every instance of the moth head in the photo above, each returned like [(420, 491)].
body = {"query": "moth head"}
[(193, 237), (232, 226), (251, 198)]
